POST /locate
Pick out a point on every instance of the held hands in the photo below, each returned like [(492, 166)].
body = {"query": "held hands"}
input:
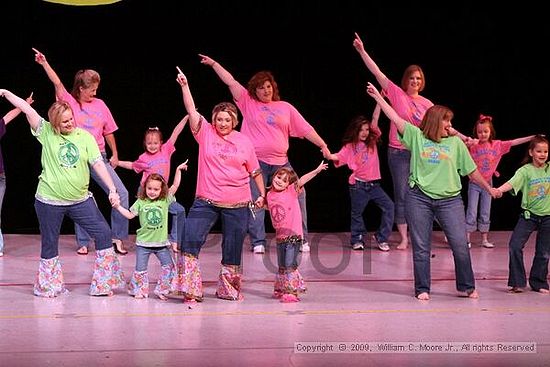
[(207, 60), (495, 193), (326, 151), (39, 57), (114, 199), (260, 202)]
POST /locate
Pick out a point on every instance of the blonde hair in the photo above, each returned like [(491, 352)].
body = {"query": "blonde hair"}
[(228, 107), (55, 114)]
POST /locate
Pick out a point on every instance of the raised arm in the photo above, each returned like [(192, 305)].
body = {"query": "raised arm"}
[(8, 117), (388, 110), (178, 129), (32, 116), (40, 58), (234, 86), (308, 176), (369, 62), (177, 178), (188, 102), (523, 140)]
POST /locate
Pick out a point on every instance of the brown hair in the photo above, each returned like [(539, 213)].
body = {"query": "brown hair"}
[(406, 75), (258, 80), (152, 131), (142, 194), (537, 139), (431, 122), (352, 132), (483, 119), (55, 112), (292, 176), (84, 78), (228, 107)]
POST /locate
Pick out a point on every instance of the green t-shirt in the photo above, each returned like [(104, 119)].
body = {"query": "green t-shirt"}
[(534, 183), (153, 221), (436, 167), (66, 161)]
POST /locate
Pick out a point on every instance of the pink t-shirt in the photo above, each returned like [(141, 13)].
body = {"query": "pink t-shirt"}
[(224, 165), (94, 117), (412, 109), (284, 209), (269, 126), (487, 156), (155, 163), (361, 160)]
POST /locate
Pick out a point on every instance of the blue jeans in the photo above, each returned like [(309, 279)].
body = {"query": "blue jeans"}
[(86, 214), (202, 216), (256, 227), (2, 192), (478, 196), (177, 230), (360, 194), (143, 253), (119, 223), (399, 161), (287, 255), (539, 269), (421, 210)]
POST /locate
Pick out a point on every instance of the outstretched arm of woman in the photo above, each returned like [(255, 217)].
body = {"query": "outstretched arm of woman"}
[(188, 102), (234, 86), (314, 137), (32, 116), (8, 117), (478, 179), (40, 58), (388, 110), (101, 170), (369, 62)]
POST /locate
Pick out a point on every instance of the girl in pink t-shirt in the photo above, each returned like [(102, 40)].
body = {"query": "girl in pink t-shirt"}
[(286, 217), (486, 152), (156, 159), (360, 154)]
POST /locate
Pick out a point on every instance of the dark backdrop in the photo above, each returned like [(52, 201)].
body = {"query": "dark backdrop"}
[(474, 60)]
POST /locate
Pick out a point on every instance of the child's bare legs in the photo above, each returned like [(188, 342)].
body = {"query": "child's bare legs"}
[(402, 228)]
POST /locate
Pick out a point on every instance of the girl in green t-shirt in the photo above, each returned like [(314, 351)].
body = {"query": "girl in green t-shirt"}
[(152, 237)]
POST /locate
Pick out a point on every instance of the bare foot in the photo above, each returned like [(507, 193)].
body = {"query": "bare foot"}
[(82, 250), (472, 293), (402, 246), (543, 291), (515, 290), (424, 296)]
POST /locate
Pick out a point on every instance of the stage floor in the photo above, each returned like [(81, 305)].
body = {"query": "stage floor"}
[(360, 301)]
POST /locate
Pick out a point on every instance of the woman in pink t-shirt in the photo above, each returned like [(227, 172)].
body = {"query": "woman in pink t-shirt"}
[(269, 123), (411, 106), (226, 162), (287, 221), (93, 115)]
